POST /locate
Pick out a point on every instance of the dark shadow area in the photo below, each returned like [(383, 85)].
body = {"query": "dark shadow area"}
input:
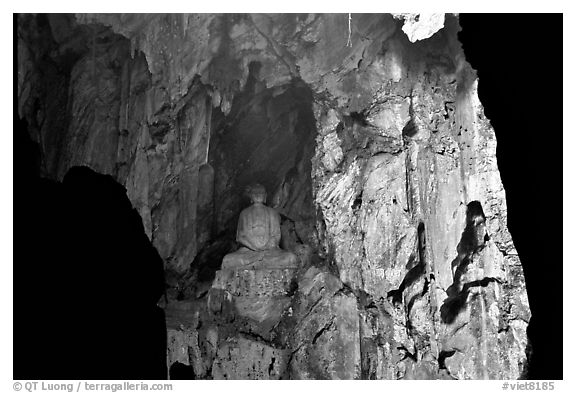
[(519, 64), (472, 240), (179, 371), (268, 137), (198, 279), (456, 301), (416, 268), (86, 277), (442, 358)]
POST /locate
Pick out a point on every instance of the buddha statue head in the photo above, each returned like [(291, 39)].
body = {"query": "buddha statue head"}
[(256, 193)]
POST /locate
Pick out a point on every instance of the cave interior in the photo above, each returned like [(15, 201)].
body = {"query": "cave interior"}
[(89, 263)]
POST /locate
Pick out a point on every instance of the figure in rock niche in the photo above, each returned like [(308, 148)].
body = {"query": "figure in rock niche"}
[(258, 233)]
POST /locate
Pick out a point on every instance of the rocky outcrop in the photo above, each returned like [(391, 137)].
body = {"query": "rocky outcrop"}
[(381, 162)]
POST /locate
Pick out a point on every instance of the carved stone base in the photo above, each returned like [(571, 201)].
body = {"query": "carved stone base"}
[(267, 311), (259, 295), (263, 282), (267, 259)]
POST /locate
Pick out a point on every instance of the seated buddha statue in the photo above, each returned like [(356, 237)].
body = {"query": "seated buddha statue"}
[(258, 233)]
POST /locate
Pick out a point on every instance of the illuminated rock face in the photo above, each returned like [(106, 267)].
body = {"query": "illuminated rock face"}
[(378, 157)]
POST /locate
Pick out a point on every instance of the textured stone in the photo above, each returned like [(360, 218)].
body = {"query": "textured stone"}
[(180, 343), (246, 359), (261, 282), (327, 328), (265, 310)]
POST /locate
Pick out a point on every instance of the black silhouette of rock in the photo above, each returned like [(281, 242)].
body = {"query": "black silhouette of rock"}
[(86, 281)]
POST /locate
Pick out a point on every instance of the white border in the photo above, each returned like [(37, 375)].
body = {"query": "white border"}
[(568, 105)]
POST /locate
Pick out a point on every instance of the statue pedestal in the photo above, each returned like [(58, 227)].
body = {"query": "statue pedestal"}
[(253, 300), (273, 259), (261, 295), (250, 282)]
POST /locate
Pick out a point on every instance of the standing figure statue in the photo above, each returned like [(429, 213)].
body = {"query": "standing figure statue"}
[(258, 233)]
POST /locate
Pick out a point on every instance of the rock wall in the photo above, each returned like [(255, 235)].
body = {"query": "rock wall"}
[(373, 147)]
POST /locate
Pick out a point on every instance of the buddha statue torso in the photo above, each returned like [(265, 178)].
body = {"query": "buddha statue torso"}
[(258, 233), (259, 228)]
